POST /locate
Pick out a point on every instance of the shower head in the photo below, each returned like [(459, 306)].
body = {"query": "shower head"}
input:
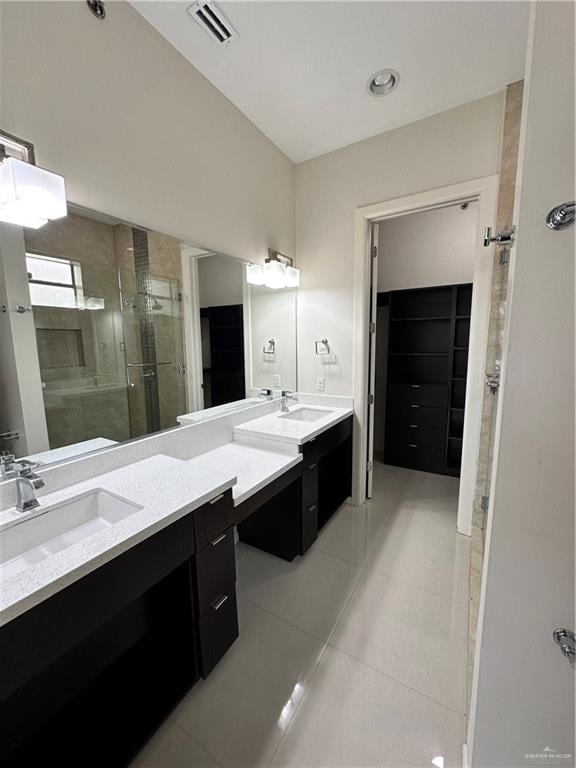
[(132, 301)]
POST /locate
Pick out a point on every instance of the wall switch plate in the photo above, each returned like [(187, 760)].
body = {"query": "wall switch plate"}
[(320, 382), (276, 381)]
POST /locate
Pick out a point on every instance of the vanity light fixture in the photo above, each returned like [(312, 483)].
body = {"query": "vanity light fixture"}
[(292, 277), (29, 196), (281, 271), (254, 274), (278, 272), (274, 274), (383, 82)]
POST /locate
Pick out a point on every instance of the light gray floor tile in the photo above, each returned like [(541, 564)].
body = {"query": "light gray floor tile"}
[(417, 637), (353, 716), (239, 713)]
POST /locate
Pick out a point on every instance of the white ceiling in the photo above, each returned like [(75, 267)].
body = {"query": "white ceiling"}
[(298, 70)]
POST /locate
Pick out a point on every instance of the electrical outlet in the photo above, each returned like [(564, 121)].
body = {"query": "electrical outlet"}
[(276, 381), (320, 382)]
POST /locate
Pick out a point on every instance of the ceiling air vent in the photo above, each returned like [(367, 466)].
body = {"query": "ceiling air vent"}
[(213, 21)]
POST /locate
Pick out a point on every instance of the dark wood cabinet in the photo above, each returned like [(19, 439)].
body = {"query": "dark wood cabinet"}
[(96, 667), (427, 368), (284, 518)]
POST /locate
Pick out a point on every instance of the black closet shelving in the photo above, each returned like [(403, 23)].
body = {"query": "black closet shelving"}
[(223, 350), (427, 367)]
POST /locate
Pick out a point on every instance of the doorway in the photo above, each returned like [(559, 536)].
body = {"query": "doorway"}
[(423, 266), (484, 193)]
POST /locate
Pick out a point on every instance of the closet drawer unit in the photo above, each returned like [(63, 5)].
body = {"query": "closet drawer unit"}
[(213, 518), (402, 434), (420, 415), (215, 570), (418, 456), (434, 395), (218, 629)]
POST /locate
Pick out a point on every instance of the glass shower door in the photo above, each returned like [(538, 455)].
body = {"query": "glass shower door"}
[(154, 351)]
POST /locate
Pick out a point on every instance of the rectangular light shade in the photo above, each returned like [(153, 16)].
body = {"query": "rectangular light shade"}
[(30, 196), (292, 277), (254, 274), (274, 275)]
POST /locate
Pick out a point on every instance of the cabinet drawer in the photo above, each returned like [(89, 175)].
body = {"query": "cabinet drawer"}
[(319, 446), (309, 527), (215, 570), (420, 415), (413, 433), (218, 629), (434, 395), (213, 518), (310, 485), (417, 456)]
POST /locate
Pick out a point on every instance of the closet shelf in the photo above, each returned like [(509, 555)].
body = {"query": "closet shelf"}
[(418, 319), (419, 354)]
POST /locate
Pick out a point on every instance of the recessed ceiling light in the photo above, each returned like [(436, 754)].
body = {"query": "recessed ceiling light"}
[(383, 82)]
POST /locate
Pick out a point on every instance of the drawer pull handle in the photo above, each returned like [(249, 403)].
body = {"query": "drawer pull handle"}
[(311, 439), (217, 541), (217, 499), (219, 603), (414, 426), (415, 386), (414, 406), (412, 445), (312, 508), (312, 466)]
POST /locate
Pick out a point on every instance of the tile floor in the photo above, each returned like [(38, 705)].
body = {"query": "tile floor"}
[(354, 655)]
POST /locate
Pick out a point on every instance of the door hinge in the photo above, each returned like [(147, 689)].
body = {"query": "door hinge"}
[(484, 502), (504, 239), (369, 466), (372, 328), (374, 251), (370, 399), (566, 639), (493, 382)]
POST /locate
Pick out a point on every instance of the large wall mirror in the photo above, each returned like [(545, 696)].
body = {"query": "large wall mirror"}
[(111, 332)]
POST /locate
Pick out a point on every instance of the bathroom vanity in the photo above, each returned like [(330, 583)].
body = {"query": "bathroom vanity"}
[(121, 594)]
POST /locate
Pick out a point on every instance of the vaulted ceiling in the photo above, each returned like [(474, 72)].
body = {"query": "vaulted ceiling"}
[(299, 70)]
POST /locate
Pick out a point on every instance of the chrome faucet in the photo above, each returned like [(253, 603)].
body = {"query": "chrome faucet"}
[(286, 396), (26, 483)]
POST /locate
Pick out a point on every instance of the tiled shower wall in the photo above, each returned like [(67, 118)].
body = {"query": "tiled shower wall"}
[(507, 184), (89, 397)]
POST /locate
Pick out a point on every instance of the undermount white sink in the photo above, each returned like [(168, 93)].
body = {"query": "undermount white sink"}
[(306, 414), (60, 526)]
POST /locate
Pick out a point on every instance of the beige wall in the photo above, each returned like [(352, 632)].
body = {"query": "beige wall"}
[(138, 132), (436, 247), (451, 147)]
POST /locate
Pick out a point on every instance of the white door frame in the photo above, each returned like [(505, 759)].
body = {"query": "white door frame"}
[(192, 335), (485, 190)]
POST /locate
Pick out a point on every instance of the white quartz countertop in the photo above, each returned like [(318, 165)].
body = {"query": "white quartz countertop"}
[(164, 487), (275, 426), (254, 467)]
